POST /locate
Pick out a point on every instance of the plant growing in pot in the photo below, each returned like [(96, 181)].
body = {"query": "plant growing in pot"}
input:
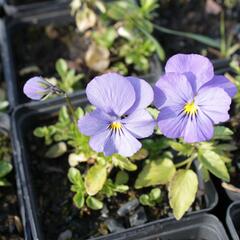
[(91, 47), (232, 188), (10, 222), (118, 181)]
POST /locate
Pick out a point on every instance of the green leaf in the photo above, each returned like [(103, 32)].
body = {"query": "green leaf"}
[(153, 111), (61, 67), (78, 199), (156, 172), (197, 37), (56, 150), (5, 168), (222, 133), (183, 148), (123, 163), (155, 194), (94, 203), (121, 178), (4, 183), (140, 155), (145, 200), (95, 179), (182, 191), (75, 177), (213, 162)]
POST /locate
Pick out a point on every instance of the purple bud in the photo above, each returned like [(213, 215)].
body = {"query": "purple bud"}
[(37, 88)]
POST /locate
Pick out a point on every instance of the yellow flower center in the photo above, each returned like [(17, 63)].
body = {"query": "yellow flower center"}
[(115, 126), (190, 108)]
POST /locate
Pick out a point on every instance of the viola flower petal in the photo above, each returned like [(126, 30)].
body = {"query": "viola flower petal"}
[(97, 141), (111, 93), (172, 89), (192, 117), (193, 65), (199, 128), (140, 123), (222, 82), (143, 94), (36, 88), (93, 122), (122, 143), (215, 103), (172, 122)]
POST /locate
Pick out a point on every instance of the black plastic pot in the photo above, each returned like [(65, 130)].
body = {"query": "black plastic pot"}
[(28, 116), (198, 227), (26, 8), (233, 220), (59, 17)]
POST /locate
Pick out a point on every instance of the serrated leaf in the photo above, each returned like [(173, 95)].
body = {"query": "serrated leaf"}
[(5, 168), (94, 203), (78, 199), (182, 191), (95, 179), (156, 172), (56, 150), (213, 162)]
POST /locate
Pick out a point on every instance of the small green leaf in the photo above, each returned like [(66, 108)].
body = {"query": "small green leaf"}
[(144, 200), (155, 194), (140, 155), (5, 168), (213, 162), (121, 178), (61, 67), (75, 177), (95, 179), (182, 191), (222, 133), (94, 203), (56, 150), (156, 172), (123, 163), (78, 199), (4, 183), (183, 148)]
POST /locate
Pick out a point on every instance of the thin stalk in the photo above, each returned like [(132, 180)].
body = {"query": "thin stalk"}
[(70, 108), (187, 162)]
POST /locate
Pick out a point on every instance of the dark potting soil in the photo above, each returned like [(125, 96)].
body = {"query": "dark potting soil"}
[(10, 221), (57, 212), (194, 18), (36, 49)]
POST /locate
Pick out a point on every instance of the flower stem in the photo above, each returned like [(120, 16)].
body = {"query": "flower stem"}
[(70, 108), (187, 162)]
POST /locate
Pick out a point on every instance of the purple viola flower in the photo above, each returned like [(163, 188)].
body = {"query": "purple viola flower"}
[(191, 98), (37, 88), (120, 116)]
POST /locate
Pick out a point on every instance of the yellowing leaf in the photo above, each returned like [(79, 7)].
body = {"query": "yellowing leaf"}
[(95, 179), (156, 172), (214, 163), (182, 191)]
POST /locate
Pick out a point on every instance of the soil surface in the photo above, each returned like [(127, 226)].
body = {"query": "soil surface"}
[(10, 221)]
